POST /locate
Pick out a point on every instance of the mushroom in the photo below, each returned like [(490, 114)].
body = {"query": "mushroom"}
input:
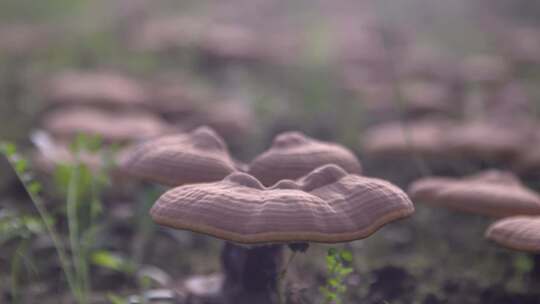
[(173, 160), (427, 63), (491, 193), (426, 97), (112, 127), (168, 34), (25, 38), (98, 88), (408, 149), (176, 99), (522, 46), (293, 155), (231, 42), (485, 69), (527, 162), (485, 141), (520, 233), (326, 206), (233, 119), (425, 137)]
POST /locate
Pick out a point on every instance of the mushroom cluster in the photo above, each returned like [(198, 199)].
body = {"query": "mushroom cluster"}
[(299, 191), (124, 110), (494, 194)]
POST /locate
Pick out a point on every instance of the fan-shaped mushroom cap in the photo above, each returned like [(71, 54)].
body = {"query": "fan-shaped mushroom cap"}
[(327, 206), (19, 38), (491, 193), (524, 46), (196, 157), (169, 34), (293, 155), (528, 161), (426, 97), (485, 68), (233, 42), (67, 123), (481, 140), (232, 119), (519, 233), (94, 88), (176, 99), (423, 137)]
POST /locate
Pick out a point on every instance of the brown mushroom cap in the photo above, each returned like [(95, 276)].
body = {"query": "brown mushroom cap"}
[(426, 97), (19, 38), (528, 161), (232, 119), (485, 141), (491, 193), (94, 88), (169, 34), (293, 155), (176, 99), (67, 123), (485, 68), (327, 206), (233, 42), (423, 137), (519, 233), (196, 157)]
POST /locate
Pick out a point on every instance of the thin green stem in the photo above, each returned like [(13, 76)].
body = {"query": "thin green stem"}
[(73, 227), (51, 231)]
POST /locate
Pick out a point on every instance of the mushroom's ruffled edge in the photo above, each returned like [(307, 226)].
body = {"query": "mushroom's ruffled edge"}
[(293, 236), (289, 237)]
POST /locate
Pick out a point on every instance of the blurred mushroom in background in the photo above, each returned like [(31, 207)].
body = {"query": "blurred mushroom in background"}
[(421, 62), (168, 35), (24, 38), (293, 155), (231, 43), (521, 233), (403, 151), (426, 98), (105, 89), (232, 119), (65, 124), (176, 99), (522, 46), (490, 193), (482, 142), (485, 70)]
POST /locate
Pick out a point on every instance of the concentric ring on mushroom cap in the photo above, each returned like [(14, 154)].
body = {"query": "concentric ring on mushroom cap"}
[(491, 193), (327, 206), (294, 155), (196, 157), (519, 233)]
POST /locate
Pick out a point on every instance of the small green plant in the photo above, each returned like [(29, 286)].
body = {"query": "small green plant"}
[(338, 271), (82, 188)]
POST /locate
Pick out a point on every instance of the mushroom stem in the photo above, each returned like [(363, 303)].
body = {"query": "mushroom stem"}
[(283, 275), (251, 274)]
